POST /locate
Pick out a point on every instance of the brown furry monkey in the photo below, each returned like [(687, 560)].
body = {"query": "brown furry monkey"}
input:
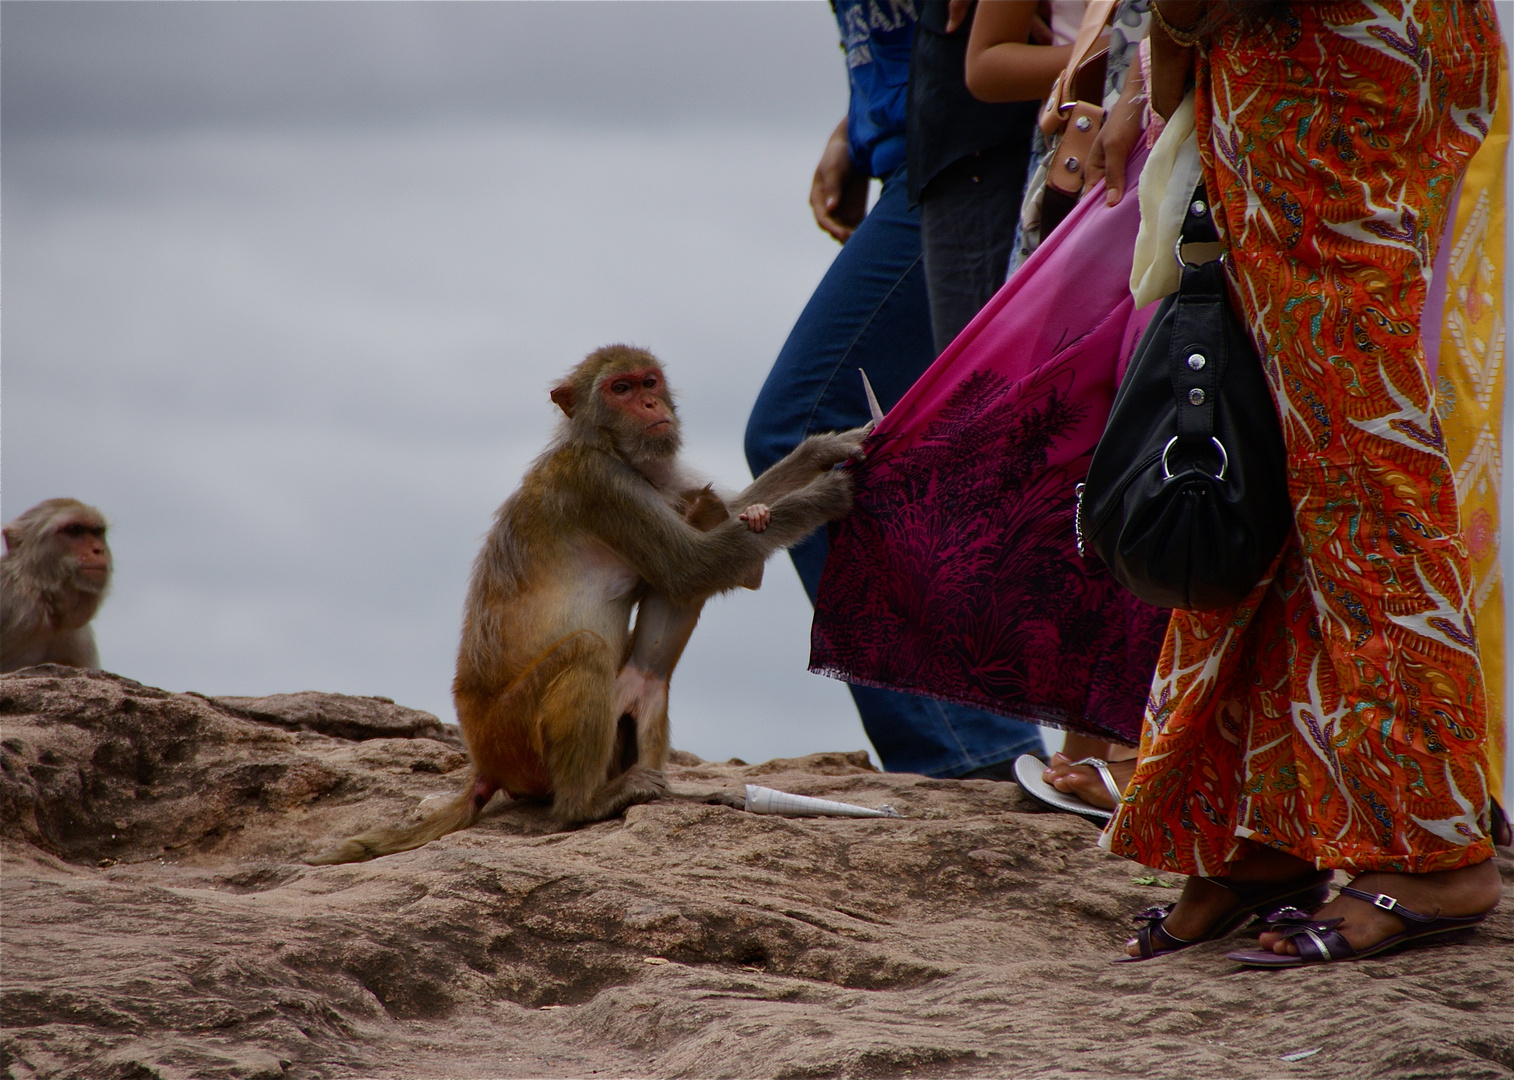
[(555, 697), (53, 576)]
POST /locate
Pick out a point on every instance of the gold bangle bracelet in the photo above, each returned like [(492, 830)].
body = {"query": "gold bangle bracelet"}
[(1184, 38)]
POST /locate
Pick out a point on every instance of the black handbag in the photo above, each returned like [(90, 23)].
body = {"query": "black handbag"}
[(1186, 499)]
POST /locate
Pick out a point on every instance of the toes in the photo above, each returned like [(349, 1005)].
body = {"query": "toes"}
[(1277, 943), (1066, 783)]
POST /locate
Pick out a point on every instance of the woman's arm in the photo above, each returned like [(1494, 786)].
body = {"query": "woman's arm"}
[(1001, 64), (1171, 62)]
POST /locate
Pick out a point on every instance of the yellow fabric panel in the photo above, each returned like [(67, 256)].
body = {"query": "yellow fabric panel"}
[(1470, 385)]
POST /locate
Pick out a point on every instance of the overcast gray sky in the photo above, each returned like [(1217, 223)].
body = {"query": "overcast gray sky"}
[(286, 286)]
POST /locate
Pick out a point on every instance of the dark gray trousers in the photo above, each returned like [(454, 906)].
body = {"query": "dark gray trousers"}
[(968, 214)]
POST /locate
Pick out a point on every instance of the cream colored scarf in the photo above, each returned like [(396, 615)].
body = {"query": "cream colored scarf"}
[(1172, 172)]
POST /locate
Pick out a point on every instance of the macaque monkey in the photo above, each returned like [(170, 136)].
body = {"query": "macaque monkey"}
[(556, 697), (53, 576)]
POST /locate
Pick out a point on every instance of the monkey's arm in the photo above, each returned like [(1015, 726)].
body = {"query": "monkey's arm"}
[(804, 463), (618, 507), (704, 508)]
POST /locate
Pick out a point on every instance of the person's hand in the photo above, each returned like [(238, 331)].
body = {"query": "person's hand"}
[(1111, 150), (956, 13), (838, 194)]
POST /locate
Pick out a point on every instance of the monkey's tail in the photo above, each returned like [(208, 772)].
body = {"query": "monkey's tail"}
[(457, 814)]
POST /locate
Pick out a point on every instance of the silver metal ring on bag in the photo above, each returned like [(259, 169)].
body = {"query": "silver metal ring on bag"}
[(1224, 458), (1177, 253)]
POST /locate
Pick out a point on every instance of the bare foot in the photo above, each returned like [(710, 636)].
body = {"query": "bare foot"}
[(1203, 904), (1085, 781), (1470, 890)]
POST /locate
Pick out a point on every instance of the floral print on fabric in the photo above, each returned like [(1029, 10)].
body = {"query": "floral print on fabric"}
[(957, 573), (1338, 713)]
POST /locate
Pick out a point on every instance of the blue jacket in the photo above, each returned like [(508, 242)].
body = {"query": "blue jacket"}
[(876, 35)]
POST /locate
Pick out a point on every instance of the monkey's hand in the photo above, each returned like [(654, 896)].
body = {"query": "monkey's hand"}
[(827, 450), (756, 517)]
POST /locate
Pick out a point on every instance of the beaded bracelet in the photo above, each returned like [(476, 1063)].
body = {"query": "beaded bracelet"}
[(1185, 38)]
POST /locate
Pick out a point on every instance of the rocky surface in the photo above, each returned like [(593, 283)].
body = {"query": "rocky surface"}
[(158, 922)]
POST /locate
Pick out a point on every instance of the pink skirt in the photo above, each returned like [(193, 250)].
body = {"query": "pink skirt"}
[(957, 574)]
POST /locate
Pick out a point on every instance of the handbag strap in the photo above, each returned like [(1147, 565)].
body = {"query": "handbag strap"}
[(1197, 362), (1198, 222), (1096, 14)]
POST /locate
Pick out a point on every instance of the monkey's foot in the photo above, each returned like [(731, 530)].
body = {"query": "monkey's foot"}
[(643, 785)]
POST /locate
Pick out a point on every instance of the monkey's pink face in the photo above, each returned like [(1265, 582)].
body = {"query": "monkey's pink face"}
[(83, 540), (642, 397)]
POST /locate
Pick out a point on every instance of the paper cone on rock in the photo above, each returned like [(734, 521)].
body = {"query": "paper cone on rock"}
[(765, 800)]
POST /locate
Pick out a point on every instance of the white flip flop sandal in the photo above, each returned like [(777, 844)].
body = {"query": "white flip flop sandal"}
[(1028, 769)]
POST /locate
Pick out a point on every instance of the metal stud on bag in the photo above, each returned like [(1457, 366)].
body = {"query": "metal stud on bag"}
[(1072, 164), (1196, 361), (1082, 123), (1198, 208), (1196, 396)]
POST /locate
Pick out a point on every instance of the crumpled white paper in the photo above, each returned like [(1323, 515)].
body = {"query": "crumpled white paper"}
[(766, 800)]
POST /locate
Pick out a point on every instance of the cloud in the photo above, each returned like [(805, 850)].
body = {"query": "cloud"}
[(161, 66)]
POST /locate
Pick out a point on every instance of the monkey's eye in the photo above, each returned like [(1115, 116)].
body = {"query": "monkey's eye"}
[(620, 386), (74, 531), (650, 382)]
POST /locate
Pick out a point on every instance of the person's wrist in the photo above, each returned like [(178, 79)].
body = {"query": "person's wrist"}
[(1183, 36)]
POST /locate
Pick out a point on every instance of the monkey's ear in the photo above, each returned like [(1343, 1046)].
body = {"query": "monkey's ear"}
[(10, 539), (563, 396)]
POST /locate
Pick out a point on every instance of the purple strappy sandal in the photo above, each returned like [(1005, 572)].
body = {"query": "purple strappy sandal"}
[(1307, 892), (1319, 942)]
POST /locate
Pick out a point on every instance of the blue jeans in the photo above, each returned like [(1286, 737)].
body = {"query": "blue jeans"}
[(870, 311)]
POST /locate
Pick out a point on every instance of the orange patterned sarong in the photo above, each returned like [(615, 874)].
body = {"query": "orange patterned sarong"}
[(1338, 714)]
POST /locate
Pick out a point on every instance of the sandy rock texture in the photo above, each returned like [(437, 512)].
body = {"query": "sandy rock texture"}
[(158, 922)]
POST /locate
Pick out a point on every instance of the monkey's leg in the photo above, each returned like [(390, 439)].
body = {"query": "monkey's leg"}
[(578, 724), (501, 728), (641, 689)]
